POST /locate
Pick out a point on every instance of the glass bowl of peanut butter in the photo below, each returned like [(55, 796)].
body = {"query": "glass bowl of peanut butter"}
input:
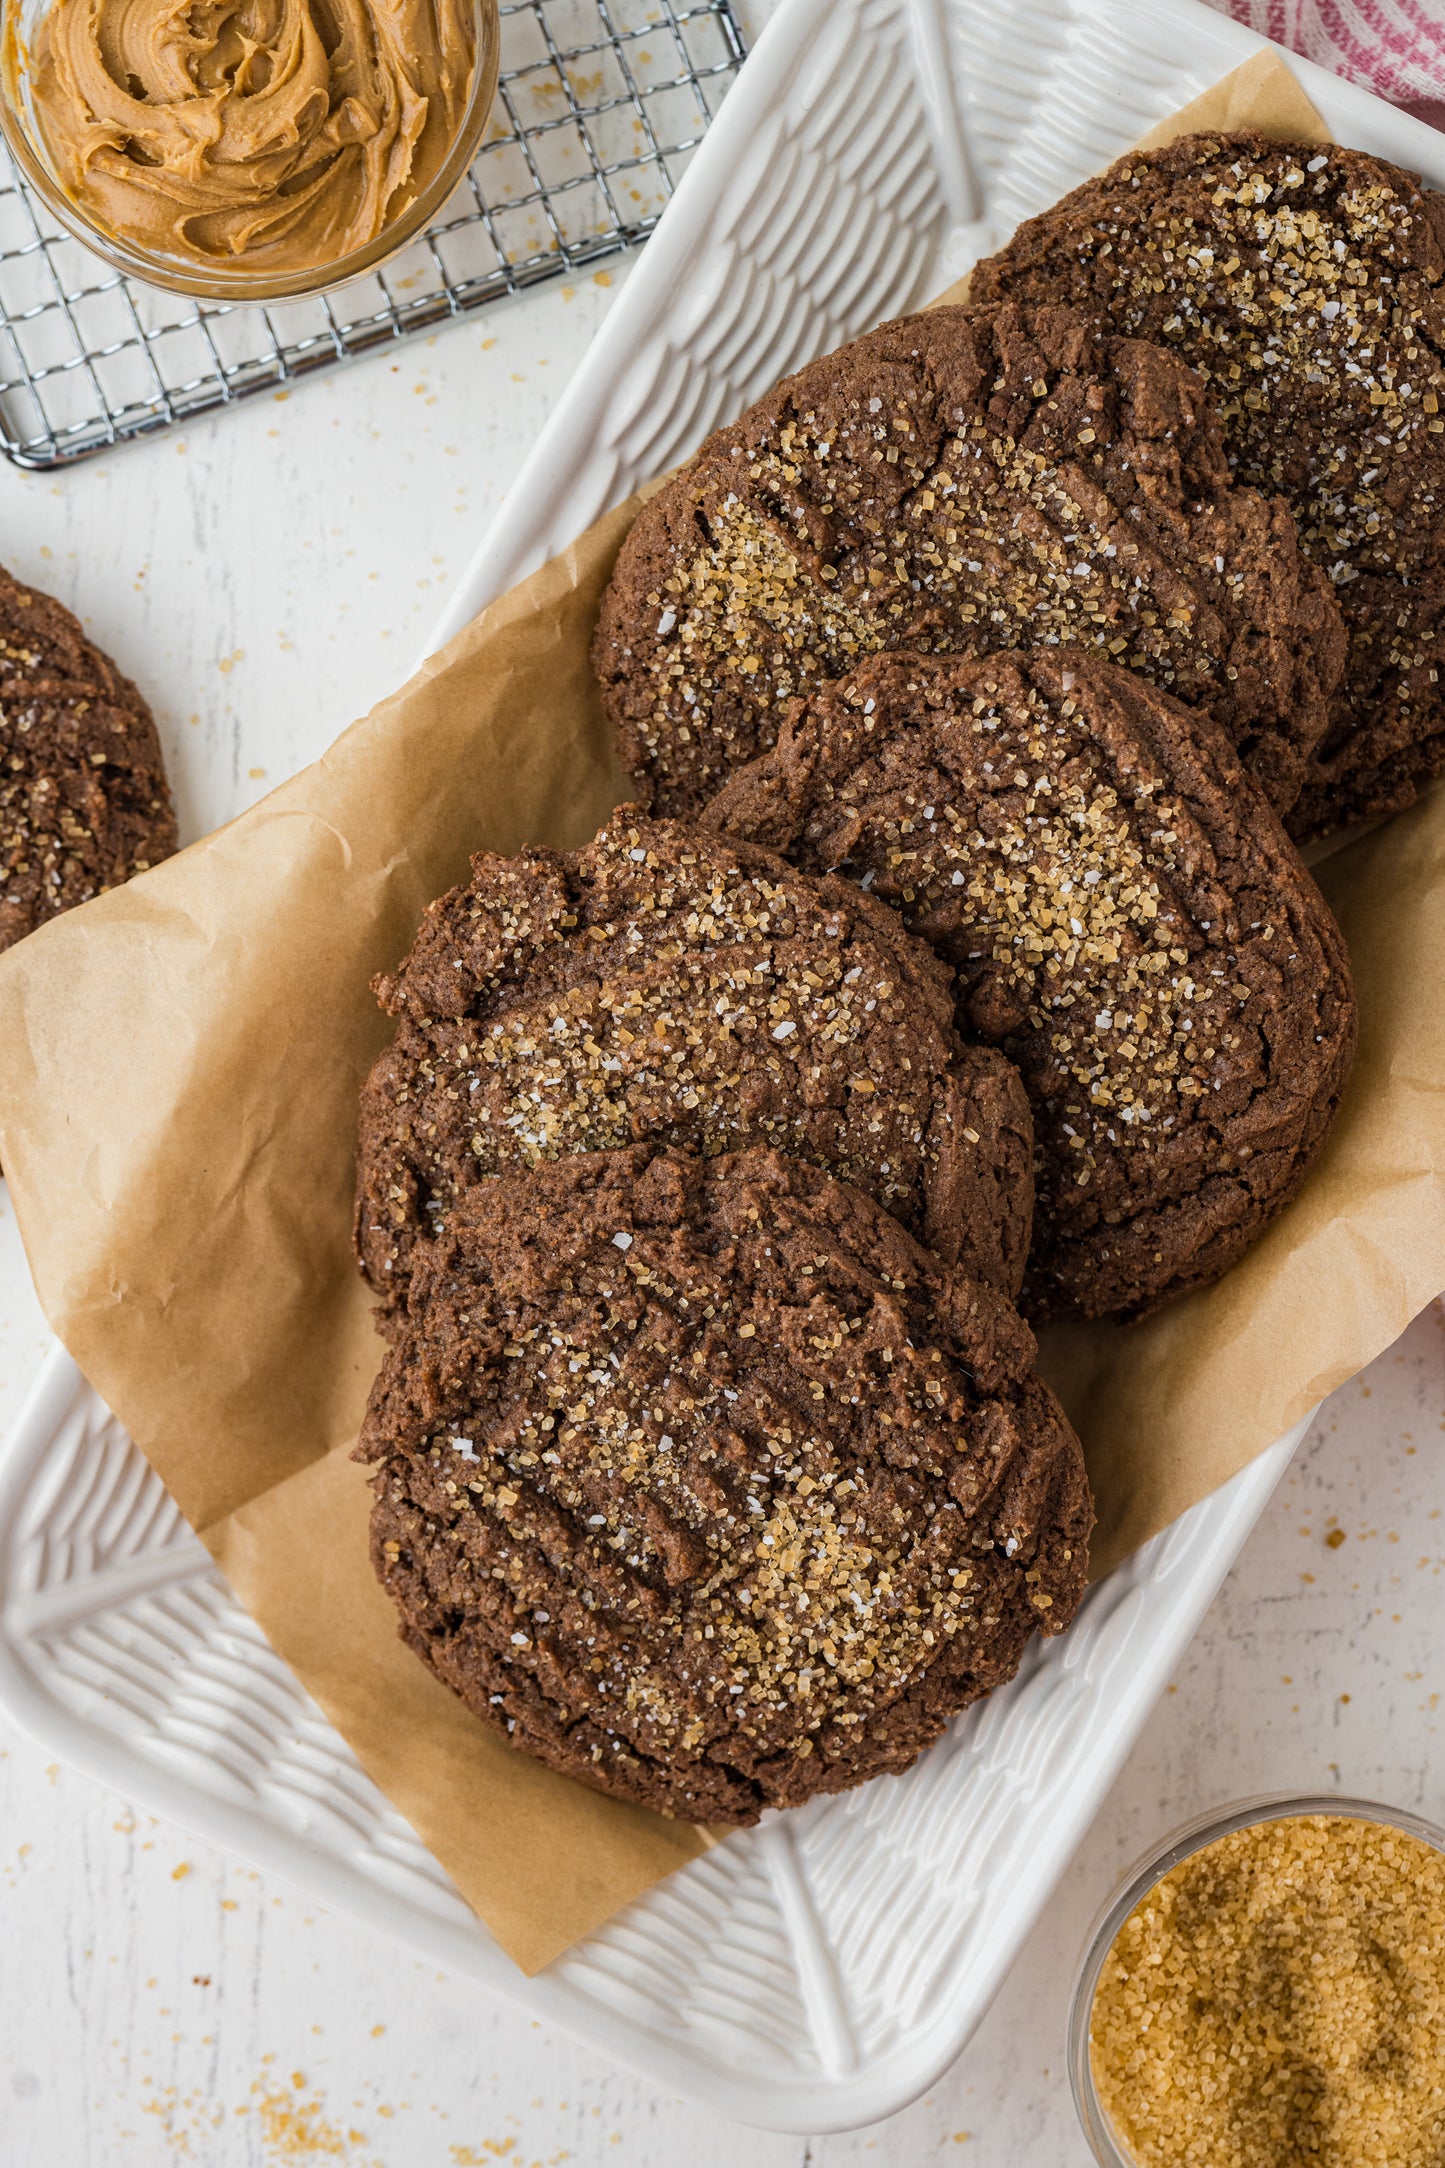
[(246, 150)]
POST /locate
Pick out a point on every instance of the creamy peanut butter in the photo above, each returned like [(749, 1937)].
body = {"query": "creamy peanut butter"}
[(265, 135)]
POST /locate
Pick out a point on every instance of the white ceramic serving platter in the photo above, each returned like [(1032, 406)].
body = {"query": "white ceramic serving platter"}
[(820, 1971)]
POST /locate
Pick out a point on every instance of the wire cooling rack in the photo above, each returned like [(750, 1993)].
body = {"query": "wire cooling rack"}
[(600, 104)]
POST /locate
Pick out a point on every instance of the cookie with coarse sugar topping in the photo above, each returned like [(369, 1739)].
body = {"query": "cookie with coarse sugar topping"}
[(705, 1484), (1306, 283), (84, 800), (1129, 924), (671, 985), (958, 482), (41, 642)]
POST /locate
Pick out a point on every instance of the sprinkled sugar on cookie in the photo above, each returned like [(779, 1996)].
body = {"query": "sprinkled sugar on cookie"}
[(1129, 924), (41, 642), (961, 481), (708, 1485), (1304, 284), (84, 801), (668, 984)]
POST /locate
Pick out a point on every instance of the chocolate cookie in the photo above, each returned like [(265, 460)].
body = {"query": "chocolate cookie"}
[(961, 481), (668, 985), (1129, 923), (84, 801), (1305, 286), (709, 1485), (42, 642)]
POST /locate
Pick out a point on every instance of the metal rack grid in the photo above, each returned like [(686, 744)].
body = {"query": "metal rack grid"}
[(600, 104)]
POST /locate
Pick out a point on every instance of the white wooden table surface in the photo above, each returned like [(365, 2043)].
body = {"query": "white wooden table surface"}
[(265, 576)]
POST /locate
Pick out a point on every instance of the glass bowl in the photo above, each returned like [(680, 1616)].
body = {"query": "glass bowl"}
[(19, 21), (1195, 1836)]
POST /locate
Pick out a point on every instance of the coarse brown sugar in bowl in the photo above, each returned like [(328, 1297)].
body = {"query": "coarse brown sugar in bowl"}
[(1269, 1990), (247, 150)]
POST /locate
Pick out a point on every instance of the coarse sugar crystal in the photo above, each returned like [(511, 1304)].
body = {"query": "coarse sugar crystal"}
[(1278, 1998)]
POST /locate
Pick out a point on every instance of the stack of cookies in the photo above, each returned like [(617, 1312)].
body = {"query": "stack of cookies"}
[(709, 1458), (956, 966)]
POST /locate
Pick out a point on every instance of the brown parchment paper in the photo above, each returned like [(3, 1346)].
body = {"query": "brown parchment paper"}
[(179, 1064)]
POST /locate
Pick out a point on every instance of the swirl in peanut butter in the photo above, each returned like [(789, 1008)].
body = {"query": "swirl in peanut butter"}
[(266, 135)]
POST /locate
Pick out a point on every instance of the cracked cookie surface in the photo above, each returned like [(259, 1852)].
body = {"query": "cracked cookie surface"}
[(961, 481), (1304, 283), (1128, 922), (84, 800), (707, 1485), (669, 984)]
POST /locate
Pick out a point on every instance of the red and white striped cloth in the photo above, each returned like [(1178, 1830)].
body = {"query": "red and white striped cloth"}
[(1393, 47)]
